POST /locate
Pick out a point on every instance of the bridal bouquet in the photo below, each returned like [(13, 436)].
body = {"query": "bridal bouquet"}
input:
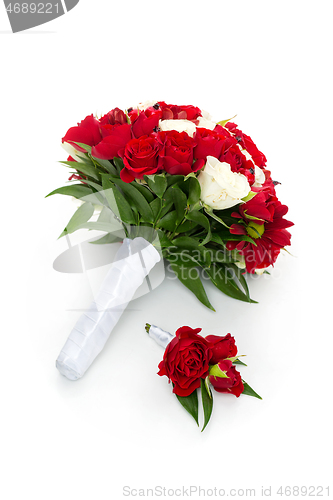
[(181, 187)]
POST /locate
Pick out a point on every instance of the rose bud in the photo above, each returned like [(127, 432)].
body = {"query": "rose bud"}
[(221, 347), (225, 378)]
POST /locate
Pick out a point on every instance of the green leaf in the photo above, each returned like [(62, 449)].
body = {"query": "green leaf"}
[(221, 278), (249, 391), (186, 226), (252, 217), (188, 243), (239, 362), (97, 197), (156, 206), (201, 219), (106, 215), (157, 183), (106, 164), (210, 212), (106, 222), (188, 274), (188, 176), (174, 179), (75, 190), (138, 200), (84, 168), (144, 190), (227, 236), (83, 146), (146, 232), (207, 386), (167, 201), (194, 191), (215, 371), (82, 215), (207, 403), (168, 222), (119, 164), (224, 122), (163, 240), (117, 202), (95, 185), (217, 239), (241, 279), (249, 196), (84, 158), (180, 202), (220, 255), (191, 405)]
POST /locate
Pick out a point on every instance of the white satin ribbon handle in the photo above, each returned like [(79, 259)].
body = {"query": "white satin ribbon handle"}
[(133, 262)]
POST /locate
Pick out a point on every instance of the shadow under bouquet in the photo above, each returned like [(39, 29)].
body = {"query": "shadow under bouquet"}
[(180, 187)]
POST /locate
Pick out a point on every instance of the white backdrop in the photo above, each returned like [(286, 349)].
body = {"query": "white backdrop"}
[(120, 426)]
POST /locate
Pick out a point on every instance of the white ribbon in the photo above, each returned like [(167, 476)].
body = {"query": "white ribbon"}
[(160, 336), (133, 262)]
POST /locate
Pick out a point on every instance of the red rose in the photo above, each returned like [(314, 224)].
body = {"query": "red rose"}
[(133, 113), (231, 383), (87, 132), (140, 158), (210, 143), (262, 219), (115, 138), (146, 121), (239, 163), (114, 117), (247, 143), (186, 360), (221, 347), (176, 156), (174, 112)]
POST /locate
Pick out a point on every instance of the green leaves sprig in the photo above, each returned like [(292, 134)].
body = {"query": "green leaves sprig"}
[(191, 402)]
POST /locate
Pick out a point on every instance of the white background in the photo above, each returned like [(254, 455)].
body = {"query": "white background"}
[(269, 63)]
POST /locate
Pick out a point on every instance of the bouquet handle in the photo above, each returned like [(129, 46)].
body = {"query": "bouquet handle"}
[(133, 261), (160, 336)]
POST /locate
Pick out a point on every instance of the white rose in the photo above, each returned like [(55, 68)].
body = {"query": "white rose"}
[(206, 115), (220, 187), (72, 151), (206, 123), (178, 125), (259, 177)]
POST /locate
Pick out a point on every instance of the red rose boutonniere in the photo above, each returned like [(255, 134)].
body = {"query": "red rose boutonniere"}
[(192, 362)]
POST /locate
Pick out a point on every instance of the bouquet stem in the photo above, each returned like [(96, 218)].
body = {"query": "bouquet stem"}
[(160, 336)]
